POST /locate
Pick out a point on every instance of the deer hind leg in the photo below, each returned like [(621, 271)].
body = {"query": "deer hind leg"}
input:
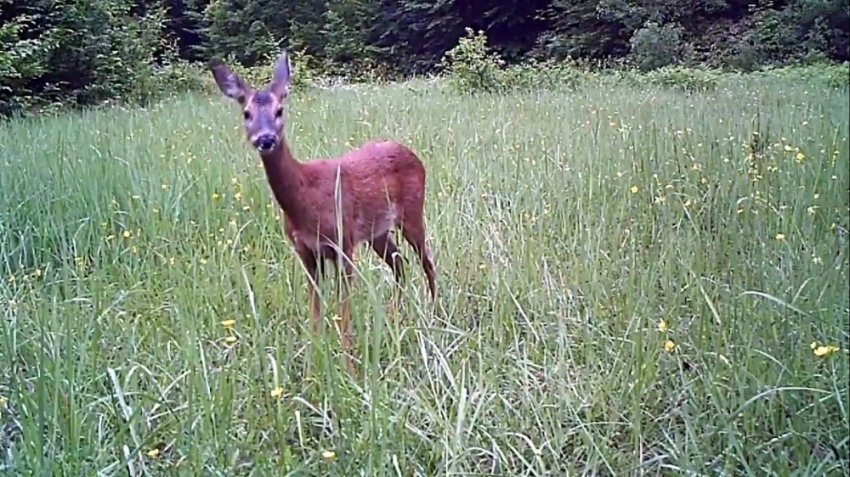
[(413, 230), (387, 249)]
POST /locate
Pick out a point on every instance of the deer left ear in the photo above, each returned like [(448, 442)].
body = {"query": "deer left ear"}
[(282, 74), (230, 84)]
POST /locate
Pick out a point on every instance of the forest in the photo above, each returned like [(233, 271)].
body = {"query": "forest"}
[(85, 52)]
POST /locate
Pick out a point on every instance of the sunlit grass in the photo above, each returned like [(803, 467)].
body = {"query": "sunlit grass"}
[(631, 279)]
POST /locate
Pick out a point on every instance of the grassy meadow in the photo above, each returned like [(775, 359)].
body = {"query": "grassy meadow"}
[(632, 280)]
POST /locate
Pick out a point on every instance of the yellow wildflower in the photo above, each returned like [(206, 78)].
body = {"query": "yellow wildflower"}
[(328, 454), (277, 392), (780, 237), (824, 350), (669, 345), (634, 189), (230, 339), (228, 323), (662, 325), (127, 234), (153, 453)]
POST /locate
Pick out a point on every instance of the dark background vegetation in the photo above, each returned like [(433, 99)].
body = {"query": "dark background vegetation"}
[(82, 52)]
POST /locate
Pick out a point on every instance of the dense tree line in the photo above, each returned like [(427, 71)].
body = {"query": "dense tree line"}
[(89, 50)]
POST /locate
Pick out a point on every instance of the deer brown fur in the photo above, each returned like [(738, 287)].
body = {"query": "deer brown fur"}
[(373, 189)]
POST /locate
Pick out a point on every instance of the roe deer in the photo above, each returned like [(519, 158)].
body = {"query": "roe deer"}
[(382, 187)]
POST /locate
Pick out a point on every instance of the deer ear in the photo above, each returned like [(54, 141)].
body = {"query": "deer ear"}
[(282, 74), (230, 84)]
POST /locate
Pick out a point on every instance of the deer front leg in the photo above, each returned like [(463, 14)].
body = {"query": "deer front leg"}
[(311, 263), (346, 283)]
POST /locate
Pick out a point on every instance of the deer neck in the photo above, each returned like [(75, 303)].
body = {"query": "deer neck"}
[(286, 179)]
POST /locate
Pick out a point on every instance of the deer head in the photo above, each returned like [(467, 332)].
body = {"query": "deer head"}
[(262, 109)]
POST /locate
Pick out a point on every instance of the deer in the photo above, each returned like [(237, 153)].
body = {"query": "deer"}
[(374, 190)]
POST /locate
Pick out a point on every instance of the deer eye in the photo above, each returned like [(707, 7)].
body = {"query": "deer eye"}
[(247, 115), (278, 113)]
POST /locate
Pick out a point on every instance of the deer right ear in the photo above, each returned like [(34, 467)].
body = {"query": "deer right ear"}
[(282, 73), (230, 84)]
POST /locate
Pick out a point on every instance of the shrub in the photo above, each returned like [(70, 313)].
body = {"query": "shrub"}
[(655, 46), (471, 66), (830, 75), (547, 74), (687, 79), (675, 77)]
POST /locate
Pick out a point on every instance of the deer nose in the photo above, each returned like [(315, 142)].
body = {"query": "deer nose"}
[(265, 142)]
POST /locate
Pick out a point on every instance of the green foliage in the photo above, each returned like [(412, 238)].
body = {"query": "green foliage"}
[(471, 65), (654, 46), (828, 75), (84, 53), (68, 52), (801, 31), (548, 74), (21, 61), (687, 79), (242, 29)]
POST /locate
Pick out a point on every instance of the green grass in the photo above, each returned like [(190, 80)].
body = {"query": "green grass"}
[(565, 225)]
